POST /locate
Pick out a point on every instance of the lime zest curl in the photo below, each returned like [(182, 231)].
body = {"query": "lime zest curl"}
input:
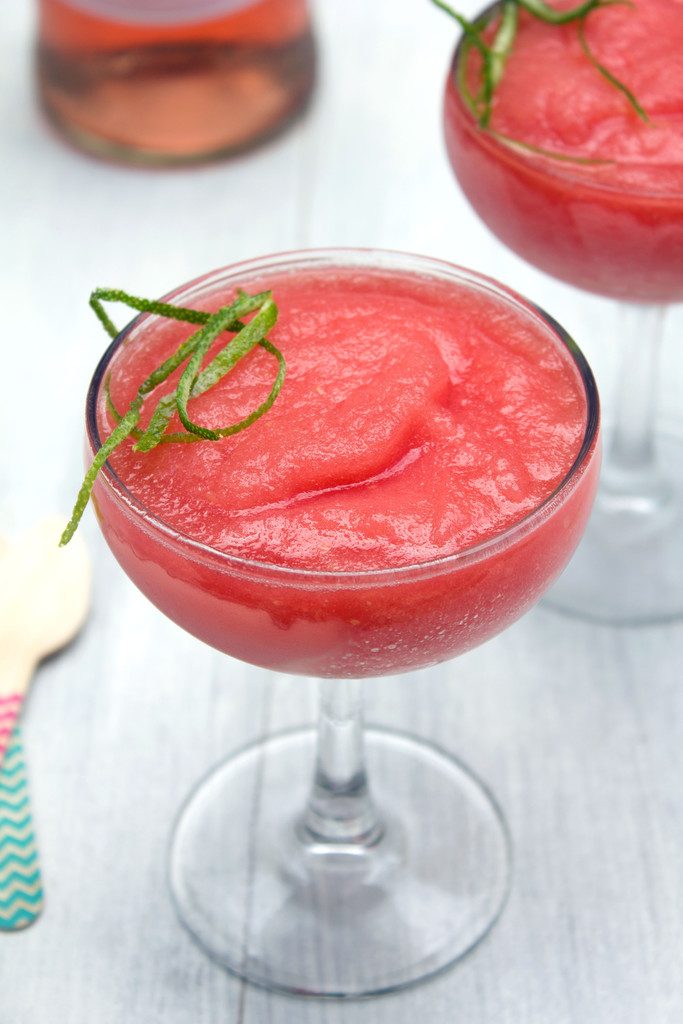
[(194, 380), (606, 73), (125, 426)]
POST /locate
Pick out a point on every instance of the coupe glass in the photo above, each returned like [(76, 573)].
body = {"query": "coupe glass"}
[(625, 243), (287, 866)]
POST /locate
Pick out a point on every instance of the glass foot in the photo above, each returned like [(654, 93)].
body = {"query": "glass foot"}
[(628, 569), (331, 919)]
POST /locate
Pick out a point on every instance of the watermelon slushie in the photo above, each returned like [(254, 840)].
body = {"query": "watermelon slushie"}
[(424, 475), (604, 211)]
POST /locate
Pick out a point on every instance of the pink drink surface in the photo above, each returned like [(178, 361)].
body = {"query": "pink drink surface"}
[(418, 418), (610, 221), (407, 429)]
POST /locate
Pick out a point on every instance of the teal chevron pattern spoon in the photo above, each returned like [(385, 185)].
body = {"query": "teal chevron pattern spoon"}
[(21, 887), (43, 603)]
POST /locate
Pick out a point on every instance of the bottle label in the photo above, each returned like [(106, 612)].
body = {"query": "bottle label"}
[(159, 12)]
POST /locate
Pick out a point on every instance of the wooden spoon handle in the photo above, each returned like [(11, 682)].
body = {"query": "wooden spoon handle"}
[(21, 887)]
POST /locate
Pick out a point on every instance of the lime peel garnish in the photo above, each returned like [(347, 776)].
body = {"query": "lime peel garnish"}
[(193, 381)]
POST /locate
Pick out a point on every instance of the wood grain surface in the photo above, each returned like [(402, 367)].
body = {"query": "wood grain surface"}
[(578, 729)]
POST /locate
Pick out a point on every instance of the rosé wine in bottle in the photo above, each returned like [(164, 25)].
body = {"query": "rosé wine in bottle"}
[(173, 81)]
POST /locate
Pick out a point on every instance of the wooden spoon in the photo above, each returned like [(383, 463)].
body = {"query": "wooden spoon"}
[(44, 599)]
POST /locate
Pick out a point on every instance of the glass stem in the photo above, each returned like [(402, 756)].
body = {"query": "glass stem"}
[(339, 809), (630, 464)]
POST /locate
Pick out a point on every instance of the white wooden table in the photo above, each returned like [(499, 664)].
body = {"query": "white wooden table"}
[(578, 729)]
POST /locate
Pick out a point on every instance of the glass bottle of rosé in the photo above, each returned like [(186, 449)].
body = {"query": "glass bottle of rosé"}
[(173, 81)]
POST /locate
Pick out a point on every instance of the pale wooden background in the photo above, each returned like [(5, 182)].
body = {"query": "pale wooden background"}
[(578, 729)]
